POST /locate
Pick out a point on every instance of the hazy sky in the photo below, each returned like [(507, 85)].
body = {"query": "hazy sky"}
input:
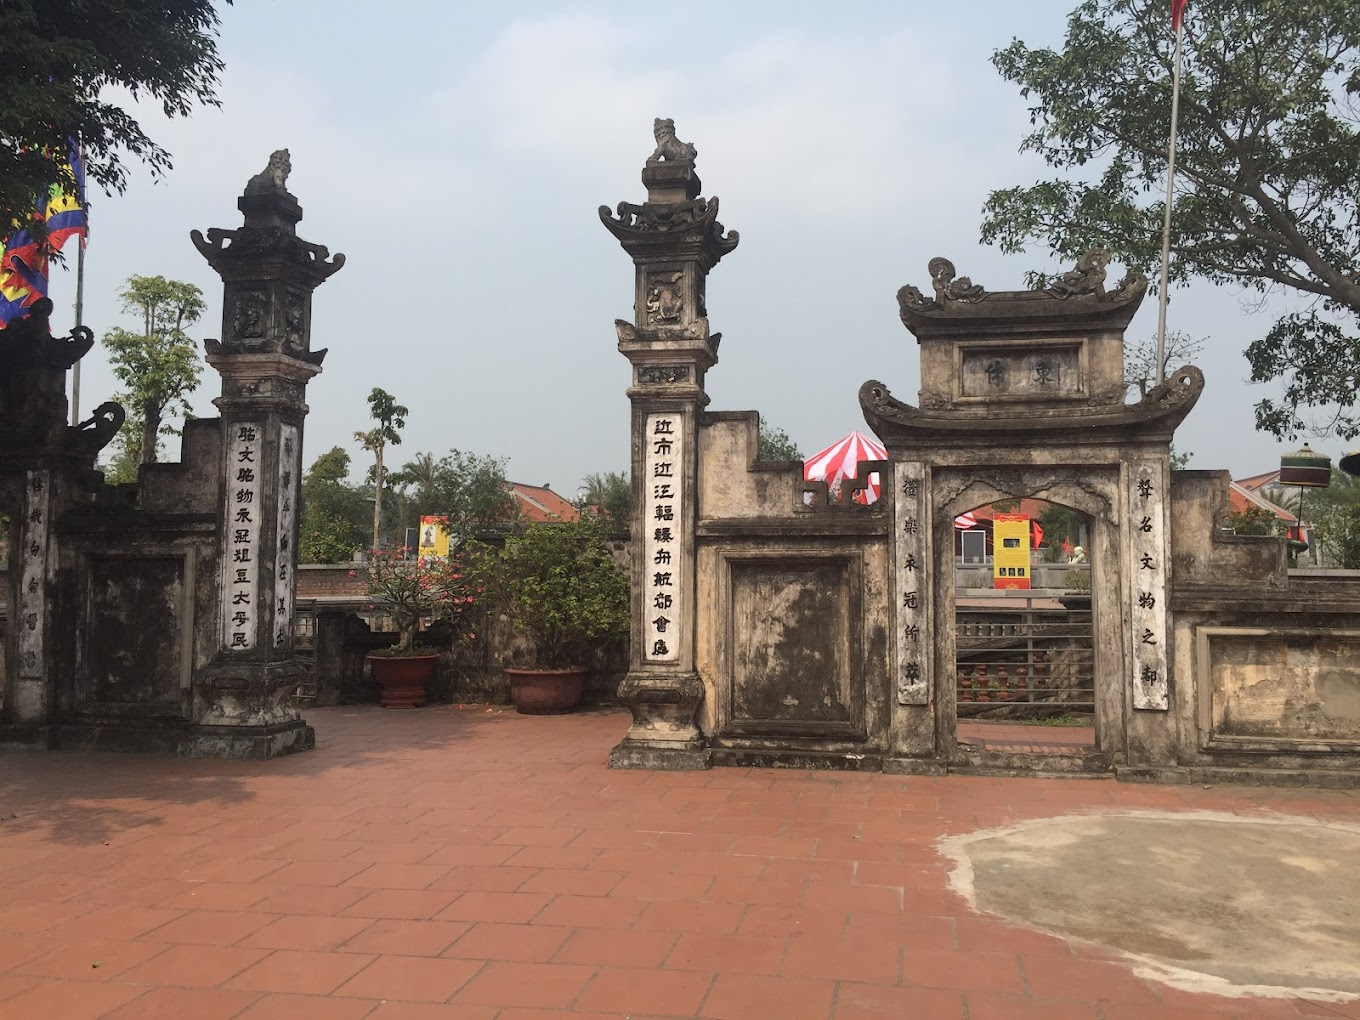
[(457, 153)]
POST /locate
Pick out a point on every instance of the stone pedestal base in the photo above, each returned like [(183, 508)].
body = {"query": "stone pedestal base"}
[(634, 754), (664, 735), (169, 738), (257, 742), (245, 710)]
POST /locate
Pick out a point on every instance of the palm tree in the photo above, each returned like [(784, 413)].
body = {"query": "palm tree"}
[(390, 417)]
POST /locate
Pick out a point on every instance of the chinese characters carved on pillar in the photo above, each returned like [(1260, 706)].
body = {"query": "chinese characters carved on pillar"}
[(30, 619), (285, 554), (1148, 585), (663, 515), (912, 590), (241, 550)]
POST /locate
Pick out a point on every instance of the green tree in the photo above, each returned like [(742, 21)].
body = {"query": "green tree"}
[(775, 444), (1268, 168), (560, 587), (1334, 513), (63, 65), (611, 493), (467, 489), (1060, 524), (124, 455), (391, 419), (334, 511), (159, 366)]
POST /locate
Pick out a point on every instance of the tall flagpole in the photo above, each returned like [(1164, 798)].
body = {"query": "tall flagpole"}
[(1177, 9)]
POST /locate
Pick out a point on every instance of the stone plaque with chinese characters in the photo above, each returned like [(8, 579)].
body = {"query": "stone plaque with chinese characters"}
[(913, 591), (289, 455), (1028, 373), (241, 552), (1148, 585), (663, 513), (29, 621)]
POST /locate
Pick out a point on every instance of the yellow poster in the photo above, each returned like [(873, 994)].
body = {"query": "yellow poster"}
[(434, 537), (1010, 551)]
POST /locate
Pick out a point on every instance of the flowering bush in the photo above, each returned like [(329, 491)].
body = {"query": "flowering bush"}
[(416, 589)]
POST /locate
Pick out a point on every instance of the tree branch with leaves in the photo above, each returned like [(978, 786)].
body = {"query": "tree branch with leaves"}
[(1268, 170), (159, 366), (63, 63)]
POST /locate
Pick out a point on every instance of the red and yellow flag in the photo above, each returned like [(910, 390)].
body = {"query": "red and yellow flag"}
[(24, 261)]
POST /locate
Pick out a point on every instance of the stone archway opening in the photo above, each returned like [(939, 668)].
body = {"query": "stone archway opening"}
[(1024, 672)]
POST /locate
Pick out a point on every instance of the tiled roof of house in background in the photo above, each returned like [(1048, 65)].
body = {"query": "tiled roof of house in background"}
[(1241, 496), (540, 504), (1256, 482)]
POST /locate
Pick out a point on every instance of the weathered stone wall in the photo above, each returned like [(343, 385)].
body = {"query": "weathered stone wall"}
[(792, 609), (1267, 661)]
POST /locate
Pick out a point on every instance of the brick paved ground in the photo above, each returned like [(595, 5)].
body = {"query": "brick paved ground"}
[(459, 865), (1017, 738)]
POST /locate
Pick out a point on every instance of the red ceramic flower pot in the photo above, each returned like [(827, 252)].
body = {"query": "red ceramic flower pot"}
[(546, 691), (402, 678)]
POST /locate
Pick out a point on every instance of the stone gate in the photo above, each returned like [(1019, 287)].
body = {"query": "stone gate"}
[(158, 615), (777, 623)]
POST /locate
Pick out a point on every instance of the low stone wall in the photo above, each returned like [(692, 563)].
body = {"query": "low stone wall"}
[(471, 670)]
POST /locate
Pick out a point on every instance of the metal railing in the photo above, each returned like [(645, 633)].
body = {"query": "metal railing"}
[(1024, 654)]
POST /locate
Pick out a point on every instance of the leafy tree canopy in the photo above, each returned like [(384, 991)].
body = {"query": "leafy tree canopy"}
[(1334, 513), (58, 62), (775, 444), (1268, 168), (158, 365), (468, 489), (334, 512), (611, 493)]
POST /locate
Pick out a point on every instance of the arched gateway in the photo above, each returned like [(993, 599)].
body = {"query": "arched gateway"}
[(777, 623)]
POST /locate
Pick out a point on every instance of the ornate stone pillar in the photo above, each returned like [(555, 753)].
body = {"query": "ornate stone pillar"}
[(674, 239), (45, 469), (241, 699)]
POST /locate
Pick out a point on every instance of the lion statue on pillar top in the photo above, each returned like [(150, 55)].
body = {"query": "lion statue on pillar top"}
[(668, 147), (273, 179)]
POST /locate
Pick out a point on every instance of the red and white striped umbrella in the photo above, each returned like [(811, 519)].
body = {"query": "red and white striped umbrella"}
[(965, 522), (841, 460)]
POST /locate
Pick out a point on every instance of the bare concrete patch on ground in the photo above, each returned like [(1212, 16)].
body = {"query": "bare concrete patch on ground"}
[(1204, 901)]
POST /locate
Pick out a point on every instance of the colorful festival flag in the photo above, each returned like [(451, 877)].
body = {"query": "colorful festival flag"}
[(1177, 9), (24, 265)]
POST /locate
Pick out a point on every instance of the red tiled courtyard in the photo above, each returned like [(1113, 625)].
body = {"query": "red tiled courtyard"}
[(460, 864)]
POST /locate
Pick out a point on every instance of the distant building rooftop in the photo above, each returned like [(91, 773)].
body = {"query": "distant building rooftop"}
[(540, 504)]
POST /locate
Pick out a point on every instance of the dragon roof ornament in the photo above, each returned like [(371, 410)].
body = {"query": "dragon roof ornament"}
[(1077, 296)]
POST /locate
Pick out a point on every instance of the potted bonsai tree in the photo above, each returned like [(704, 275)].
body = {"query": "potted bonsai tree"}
[(559, 587), (415, 590)]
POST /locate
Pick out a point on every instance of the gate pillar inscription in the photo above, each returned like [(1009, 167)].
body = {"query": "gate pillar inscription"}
[(241, 701), (674, 239), (912, 559), (1149, 560)]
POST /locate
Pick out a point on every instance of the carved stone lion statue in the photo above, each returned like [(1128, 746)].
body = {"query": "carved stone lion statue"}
[(668, 147), (274, 177)]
